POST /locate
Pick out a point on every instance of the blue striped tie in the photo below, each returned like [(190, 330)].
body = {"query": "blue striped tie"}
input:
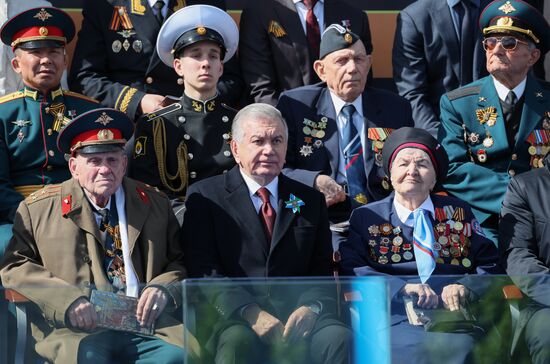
[(423, 241), (353, 156)]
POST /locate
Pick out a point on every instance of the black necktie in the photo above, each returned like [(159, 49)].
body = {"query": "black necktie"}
[(159, 5), (508, 109), (467, 14)]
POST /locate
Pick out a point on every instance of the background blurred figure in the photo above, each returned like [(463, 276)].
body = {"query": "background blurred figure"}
[(498, 126), (337, 129), (280, 41), (437, 48), (524, 244), (115, 60)]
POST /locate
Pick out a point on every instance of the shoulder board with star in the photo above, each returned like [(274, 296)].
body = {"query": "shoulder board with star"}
[(163, 112), (80, 96), (47, 191), (462, 92), (12, 96)]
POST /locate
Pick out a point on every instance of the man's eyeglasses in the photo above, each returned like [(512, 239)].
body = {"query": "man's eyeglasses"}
[(508, 43)]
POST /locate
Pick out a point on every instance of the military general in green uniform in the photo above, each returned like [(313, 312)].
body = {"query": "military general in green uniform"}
[(31, 118), (189, 140), (498, 126)]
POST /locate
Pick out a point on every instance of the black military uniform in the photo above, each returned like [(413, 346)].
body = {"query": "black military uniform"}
[(115, 60), (183, 143)]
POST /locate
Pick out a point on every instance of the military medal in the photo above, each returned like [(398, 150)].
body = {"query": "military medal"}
[(487, 115), (116, 46), (307, 130), (137, 45), (372, 242), (397, 241), (306, 150), (385, 241), (466, 263), (20, 136), (473, 138), (385, 184), (408, 255), (455, 261), (386, 229), (318, 144), (396, 258), (488, 141), (373, 230), (361, 198), (481, 156), (383, 259), (126, 45)]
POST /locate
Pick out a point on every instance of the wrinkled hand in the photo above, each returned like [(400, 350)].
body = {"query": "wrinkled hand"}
[(454, 296), (151, 102), (268, 328), (426, 296), (333, 192), (299, 324), (150, 305), (82, 315)]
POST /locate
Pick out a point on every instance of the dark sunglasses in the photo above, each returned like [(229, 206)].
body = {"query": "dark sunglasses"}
[(508, 43)]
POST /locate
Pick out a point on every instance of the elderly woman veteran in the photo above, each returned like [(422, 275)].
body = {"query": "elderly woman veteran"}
[(414, 232)]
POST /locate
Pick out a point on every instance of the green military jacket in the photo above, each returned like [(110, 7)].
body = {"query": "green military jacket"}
[(29, 158)]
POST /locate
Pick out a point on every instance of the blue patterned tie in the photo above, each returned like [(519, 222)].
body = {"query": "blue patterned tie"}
[(114, 260), (423, 241), (353, 156)]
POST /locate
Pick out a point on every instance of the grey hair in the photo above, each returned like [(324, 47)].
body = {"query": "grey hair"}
[(259, 111)]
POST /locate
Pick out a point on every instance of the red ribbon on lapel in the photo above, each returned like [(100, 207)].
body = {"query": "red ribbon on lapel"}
[(66, 205), (142, 195)]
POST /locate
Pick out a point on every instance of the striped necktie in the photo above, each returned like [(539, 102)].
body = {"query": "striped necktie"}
[(353, 156)]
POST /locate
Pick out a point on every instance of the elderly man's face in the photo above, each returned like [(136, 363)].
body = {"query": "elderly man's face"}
[(511, 65), (261, 152), (40, 68), (412, 173), (345, 71), (100, 174)]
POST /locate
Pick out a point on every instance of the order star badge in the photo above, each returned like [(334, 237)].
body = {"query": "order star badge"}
[(306, 150), (294, 203)]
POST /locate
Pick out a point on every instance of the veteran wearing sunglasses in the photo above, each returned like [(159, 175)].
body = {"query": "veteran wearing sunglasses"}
[(498, 126)]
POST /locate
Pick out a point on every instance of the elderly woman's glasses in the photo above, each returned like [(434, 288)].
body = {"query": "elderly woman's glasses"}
[(508, 43)]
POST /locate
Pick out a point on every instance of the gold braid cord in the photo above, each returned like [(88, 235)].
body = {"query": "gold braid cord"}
[(159, 142)]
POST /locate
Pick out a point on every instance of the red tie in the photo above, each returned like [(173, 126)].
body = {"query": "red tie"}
[(267, 213), (312, 29)]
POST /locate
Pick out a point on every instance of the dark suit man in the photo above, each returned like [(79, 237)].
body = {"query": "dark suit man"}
[(427, 54), (255, 222), (316, 116), (116, 61), (495, 127), (99, 230), (273, 47), (524, 243)]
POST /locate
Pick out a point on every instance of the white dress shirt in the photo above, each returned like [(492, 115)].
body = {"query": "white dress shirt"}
[(253, 187), (318, 10), (502, 90), (404, 213)]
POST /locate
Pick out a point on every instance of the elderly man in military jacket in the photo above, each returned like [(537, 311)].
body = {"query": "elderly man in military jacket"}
[(31, 118), (498, 126), (189, 140), (99, 233)]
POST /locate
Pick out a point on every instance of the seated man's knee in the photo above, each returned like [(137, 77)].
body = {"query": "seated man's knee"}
[(537, 338), (332, 344), (238, 344)]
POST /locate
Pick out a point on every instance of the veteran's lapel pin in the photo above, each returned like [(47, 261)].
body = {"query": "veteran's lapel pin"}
[(294, 203), (276, 29)]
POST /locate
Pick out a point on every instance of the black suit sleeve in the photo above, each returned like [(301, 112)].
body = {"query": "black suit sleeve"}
[(410, 70), (518, 244)]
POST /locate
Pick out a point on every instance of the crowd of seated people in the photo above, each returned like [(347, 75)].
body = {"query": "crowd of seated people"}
[(187, 154)]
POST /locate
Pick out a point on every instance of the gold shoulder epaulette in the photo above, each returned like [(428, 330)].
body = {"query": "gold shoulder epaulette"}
[(12, 96), (47, 191), (80, 96), (164, 111)]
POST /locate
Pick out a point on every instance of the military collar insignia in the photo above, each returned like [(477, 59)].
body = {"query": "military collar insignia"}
[(487, 115), (361, 198), (56, 93), (276, 29), (482, 99), (66, 205), (21, 123), (33, 94), (104, 119), (294, 203), (200, 106), (538, 94), (507, 8), (43, 15), (142, 195)]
